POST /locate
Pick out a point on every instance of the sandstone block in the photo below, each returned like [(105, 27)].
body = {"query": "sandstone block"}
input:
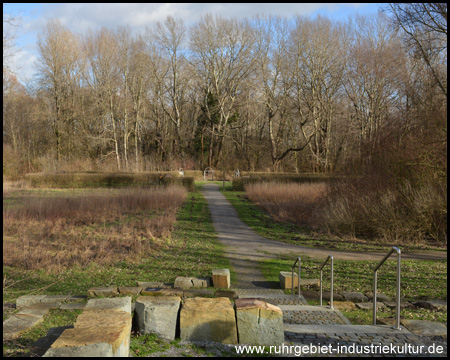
[(92, 350), (230, 294), (162, 292), (393, 304), (344, 305), (18, 323), (356, 297), (73, 306), (103, 291), (158, 314), (198, 292), (221, 278), (191, 282), (208, 319), (440, 305), (425, 328), (369, 305), (122, 303), (286, 280), (130, 290), (380, 297), (26, 300), (110, 327), (327, 296), (52, 299), (259, 323)]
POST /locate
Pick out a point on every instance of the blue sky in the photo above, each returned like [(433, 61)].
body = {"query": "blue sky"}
[(80, 17)]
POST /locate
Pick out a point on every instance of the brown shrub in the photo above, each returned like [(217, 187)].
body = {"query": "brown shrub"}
[(295, 203), (56, 233)]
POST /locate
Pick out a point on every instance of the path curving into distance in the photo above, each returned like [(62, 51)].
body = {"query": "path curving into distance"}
[(245, 248)]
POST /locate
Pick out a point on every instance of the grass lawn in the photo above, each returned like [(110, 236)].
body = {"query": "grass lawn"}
[(261, 222), (420, 280), (192, 249)]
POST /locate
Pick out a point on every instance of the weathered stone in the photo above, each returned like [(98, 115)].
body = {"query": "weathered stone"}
[(149, 284), (26, 300), (393, 304), (285, 278), (344, 305), (162, 292), (130, 290), (120, 303), (432, 304), (198, 292), (380, 297), (91, 350), (158, 315), (18, 323), (327, 296), (221, 278), (259, 323), (230, 294), (369, 305), (43, 306), (54, 299), (73, 306), (206, 319), (35, 310), (310, 283), (356, 297), (76, 298), (191, 282), (425, 328), (111, 327), (103, 291)]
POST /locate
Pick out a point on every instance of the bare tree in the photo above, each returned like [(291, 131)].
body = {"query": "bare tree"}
[(425, 25)]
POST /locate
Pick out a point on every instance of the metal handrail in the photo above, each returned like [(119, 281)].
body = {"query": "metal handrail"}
[(331, 288), (397, 323), (292, 278)]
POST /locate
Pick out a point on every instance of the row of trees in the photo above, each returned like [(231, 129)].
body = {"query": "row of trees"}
[(258, 93)]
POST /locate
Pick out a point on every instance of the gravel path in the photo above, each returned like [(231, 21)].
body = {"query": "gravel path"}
[(246, 249)]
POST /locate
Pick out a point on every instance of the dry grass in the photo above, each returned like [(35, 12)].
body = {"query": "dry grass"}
[(60, 232), (294, 203)]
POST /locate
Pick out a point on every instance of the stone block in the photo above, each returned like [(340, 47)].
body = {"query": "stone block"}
[(150, 284), (191, 282), (96, 328), (259, 323), (230, 294), (198, 292), (162, 292), (393, 304), (52, 299), (92, 350), (380, 297), (18, 323), (356, 297), (369, 305), (439, 305), (221, 278), (208, 319), (158, 314), (344, 305), (76, 298), (336, 297), (120, 303), (26, 300), (425, 328), (286, 280), (103, 291), (130, 290), (73, 306)]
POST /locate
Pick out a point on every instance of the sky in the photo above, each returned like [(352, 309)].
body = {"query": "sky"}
[(80, 17)]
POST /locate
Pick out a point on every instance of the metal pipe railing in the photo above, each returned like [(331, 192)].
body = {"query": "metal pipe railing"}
[(292, 278), (331, 287), (397, 322)]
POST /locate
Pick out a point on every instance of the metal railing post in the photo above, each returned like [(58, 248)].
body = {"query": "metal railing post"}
[(331, 287), (292, 276), (375, 280)]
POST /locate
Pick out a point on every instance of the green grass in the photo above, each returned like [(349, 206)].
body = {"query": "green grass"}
[(420, 280), (262, 223)]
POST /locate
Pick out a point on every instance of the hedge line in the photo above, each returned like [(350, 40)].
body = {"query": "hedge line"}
[(81, 180), (240, 183)]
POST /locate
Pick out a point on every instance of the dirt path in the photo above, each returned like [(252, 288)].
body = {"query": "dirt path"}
[(246, 249)]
